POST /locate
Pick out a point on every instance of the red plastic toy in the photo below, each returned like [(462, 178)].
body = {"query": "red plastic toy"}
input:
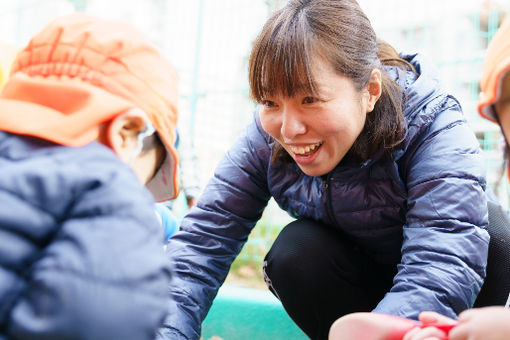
[(374, 326)]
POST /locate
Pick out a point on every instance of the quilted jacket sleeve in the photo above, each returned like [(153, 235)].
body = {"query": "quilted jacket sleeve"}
[(102, 273), (444, 252), (213, 233)]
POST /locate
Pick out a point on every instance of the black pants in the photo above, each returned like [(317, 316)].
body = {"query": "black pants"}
[(496, 287), (319, 275)]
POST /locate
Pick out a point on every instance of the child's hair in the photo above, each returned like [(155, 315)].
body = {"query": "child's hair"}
[(338, 31)]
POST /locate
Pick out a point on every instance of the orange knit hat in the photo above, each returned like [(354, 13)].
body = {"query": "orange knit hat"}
[(495, 67), (80, 72)]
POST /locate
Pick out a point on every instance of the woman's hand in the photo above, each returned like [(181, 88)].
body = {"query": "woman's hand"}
[(489, 323)]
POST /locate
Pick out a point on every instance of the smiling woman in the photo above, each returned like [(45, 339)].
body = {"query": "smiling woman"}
[(315, 75), (318, 129), (375, 162)]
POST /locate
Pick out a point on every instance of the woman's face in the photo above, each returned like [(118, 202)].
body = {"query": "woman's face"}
[(318, 131)]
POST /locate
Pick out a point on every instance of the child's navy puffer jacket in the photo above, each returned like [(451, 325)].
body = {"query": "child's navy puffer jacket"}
[(81, 255)]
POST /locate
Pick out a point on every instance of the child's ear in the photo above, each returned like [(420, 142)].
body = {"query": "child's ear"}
[(122, 133)]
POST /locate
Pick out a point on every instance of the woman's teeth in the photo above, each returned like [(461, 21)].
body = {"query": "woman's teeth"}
[(301, 150)]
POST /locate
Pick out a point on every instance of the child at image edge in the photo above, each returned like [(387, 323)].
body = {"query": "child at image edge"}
[(87, 116)]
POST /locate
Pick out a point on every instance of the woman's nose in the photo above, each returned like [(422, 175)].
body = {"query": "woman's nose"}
[(292, 124)]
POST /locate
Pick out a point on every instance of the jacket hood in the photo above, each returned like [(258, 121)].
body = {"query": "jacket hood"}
[(419, 90), (423, 96)]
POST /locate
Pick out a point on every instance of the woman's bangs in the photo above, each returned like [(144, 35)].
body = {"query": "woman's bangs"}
[(282, 66)]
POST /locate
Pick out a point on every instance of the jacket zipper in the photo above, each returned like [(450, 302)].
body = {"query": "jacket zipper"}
[(329, 201)]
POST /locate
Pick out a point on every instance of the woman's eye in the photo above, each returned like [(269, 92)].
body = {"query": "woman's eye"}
[(268, 103), (309, 100)]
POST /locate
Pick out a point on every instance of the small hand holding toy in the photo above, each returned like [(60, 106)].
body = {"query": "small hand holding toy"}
[(375, 326)]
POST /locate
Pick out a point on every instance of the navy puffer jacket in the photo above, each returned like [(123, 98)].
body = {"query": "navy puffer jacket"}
[(424, 208), (80, 245)]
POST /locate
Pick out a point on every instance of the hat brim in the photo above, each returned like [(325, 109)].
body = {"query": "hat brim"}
[(490, 95), (62, 111), (25, 109)]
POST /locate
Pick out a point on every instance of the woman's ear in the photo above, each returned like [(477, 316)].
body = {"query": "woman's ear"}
[(122, 133), (374, 89)]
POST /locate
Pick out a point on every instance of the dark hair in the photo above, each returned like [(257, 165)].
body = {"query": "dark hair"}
[(339, 31)]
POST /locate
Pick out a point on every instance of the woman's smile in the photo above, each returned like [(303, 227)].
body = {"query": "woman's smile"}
[(304, 154)]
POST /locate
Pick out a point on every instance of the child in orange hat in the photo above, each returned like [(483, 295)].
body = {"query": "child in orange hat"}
[(474, 324), (87, 118)]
